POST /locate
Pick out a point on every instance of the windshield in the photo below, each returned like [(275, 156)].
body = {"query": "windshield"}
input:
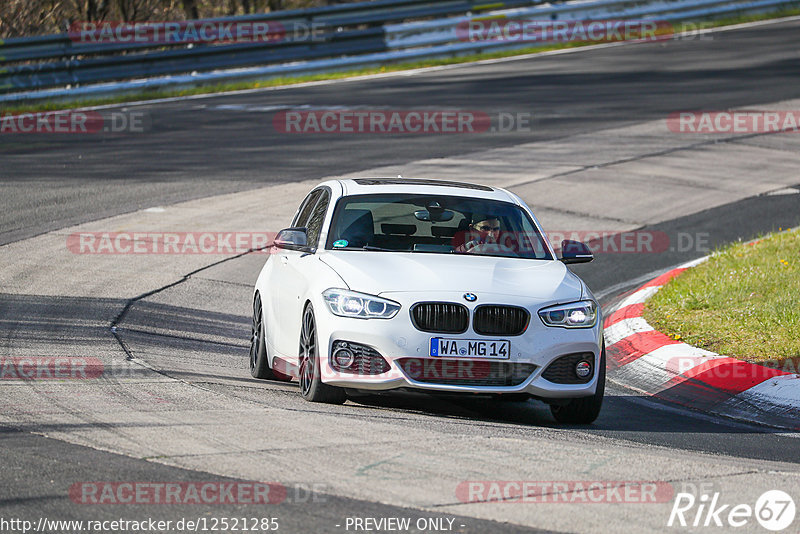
[(435, 224)]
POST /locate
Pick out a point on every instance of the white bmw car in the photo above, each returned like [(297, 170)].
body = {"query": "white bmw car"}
[(430, 285)]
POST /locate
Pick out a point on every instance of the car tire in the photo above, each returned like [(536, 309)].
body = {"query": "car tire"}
[(584, 410), (259, 359), (311, 386)]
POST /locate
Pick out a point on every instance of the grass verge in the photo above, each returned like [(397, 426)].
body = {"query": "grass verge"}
[(276, 82), (744, 302)]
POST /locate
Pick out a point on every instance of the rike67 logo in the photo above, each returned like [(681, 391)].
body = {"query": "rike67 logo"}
[(774, 510)]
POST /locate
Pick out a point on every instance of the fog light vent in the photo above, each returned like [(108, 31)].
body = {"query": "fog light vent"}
[(355, 358), (577, 368)]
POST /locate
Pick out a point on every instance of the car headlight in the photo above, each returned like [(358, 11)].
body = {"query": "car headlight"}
[(582, 314), (346, 303)]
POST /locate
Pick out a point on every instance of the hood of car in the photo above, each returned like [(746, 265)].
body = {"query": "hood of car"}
[(388, 272)]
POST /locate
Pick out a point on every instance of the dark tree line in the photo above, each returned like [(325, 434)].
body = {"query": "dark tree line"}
[(36, 17)]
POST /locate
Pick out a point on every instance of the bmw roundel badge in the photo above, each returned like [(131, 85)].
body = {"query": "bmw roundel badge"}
[(470, 297)]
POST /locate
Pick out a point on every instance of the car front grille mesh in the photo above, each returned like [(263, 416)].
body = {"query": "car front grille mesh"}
[(440, 317), (456, 372), (496, 320), (453, 318)]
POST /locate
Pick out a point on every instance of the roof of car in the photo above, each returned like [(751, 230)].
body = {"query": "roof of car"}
[(362, 186), (419, 181)]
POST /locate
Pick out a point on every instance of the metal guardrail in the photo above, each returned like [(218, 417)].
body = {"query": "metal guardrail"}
[(443, 31), (353, 35), (326, 18), (13, 46)]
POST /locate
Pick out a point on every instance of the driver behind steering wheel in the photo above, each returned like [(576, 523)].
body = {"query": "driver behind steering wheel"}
[(483, 230)]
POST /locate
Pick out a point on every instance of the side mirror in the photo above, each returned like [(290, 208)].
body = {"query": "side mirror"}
[(292, 239), (575, 252)]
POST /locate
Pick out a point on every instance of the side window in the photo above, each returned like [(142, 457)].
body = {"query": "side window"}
[(314, 225), (305, 209)]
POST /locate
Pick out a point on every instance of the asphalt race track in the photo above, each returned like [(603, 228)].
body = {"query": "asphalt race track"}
[(569, 93), (181, 406)]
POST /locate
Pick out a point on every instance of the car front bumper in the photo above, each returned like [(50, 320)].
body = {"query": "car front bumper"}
[(405, 348)]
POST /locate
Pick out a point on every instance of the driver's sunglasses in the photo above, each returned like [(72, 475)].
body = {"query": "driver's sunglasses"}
[(487, 228)]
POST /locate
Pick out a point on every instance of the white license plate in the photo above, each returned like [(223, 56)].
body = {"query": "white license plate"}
[(471, 348)]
